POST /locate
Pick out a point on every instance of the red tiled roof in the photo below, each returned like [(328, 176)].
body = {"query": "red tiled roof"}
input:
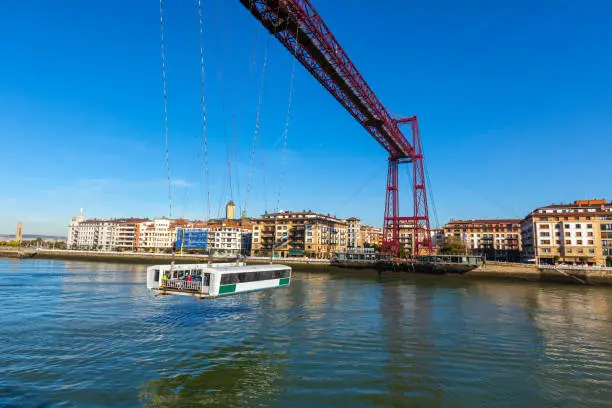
[(485, 221)]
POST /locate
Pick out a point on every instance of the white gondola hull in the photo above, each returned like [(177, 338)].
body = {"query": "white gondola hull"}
[(214, 280)]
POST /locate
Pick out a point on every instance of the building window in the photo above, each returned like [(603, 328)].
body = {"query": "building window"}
[(567, 234), (579, 242), (591, 242), (589, 225), (545, 234), (544, 226), (578, 225), (589, 234), (591, 251), (579, 234), (545, 242), (567, 225), (568, 242), (569, 251)]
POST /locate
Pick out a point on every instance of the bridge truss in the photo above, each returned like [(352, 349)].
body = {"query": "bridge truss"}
[(297, 25)]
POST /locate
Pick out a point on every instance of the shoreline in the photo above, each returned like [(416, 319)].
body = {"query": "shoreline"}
[(488, 271)]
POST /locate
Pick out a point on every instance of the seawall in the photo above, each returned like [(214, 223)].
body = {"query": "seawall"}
[(490, 270), (530, 272)]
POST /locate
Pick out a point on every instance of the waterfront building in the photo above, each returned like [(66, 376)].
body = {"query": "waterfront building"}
[(371, 237), (437, 238), (124, 233), (497, 239), (406, 238), (105, 235), (575, 233), (300, 233), (354, 237), (95, 234), (73, 230), (154, 236), (228, 240), (19, 232)]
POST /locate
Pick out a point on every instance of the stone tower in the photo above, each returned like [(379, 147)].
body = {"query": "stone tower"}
[(230, 210), (19, 232)]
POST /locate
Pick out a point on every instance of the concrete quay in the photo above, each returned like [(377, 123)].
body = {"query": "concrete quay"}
[(489, 270), (543, 273)]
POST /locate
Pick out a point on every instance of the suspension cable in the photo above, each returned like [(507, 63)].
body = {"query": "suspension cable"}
[(163, 68), (286, 131), (203, 107), (431, 193), (165, 97), (223, 107), (257, 125), (251, 72)]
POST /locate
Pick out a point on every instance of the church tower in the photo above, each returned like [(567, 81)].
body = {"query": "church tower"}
[(230, 210)]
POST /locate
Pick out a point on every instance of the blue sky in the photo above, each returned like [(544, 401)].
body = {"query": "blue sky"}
[(514, 101)]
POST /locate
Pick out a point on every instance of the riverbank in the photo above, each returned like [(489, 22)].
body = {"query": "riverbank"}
[(489, 270), (543, 273)]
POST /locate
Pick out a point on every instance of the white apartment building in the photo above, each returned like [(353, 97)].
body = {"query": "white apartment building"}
[(354, 232), (104, 235), (229, 241), (155, 235), (92, 234), (73, 230)]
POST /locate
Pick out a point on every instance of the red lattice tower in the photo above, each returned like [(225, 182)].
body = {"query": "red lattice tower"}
[(297, 25)]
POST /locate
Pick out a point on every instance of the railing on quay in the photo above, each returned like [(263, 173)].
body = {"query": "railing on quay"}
[(576, 267)]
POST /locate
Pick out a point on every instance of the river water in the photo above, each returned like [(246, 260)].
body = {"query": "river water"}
[(89, 334)]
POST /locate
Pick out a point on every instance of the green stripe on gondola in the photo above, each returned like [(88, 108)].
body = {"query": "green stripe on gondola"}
[(227, 289), (283, 281)]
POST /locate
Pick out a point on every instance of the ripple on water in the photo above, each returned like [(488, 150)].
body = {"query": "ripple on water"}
[(91, 335)]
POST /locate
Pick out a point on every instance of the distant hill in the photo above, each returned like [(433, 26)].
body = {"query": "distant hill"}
[(6, 237)]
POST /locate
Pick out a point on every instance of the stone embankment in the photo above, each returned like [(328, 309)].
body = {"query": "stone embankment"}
[(489, 270), (567, 274), (150, 258)]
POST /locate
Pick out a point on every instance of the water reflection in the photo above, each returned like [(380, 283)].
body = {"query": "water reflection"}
[(236, 376), (91, 334)]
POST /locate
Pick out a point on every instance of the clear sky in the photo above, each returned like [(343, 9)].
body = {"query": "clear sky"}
[(514, 101)]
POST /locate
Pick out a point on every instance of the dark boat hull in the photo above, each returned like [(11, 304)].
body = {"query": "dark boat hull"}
[(434, 268)]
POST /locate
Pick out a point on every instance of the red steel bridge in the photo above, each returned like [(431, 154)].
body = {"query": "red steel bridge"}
[(297, 25)]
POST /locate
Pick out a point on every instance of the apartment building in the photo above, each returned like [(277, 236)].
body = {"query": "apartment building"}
[(93, 234), (371, 236), (576, 233), (354, 237), (74, 237), (104, 235), (437, 238), (302, 233), (155, 236), (227, 240), (406, 238), (497, 239)]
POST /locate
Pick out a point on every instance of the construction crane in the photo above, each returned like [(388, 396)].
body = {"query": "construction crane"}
[(297, 25)]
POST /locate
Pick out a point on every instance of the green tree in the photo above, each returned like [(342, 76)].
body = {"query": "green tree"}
[(403, 253), (452, 246)]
